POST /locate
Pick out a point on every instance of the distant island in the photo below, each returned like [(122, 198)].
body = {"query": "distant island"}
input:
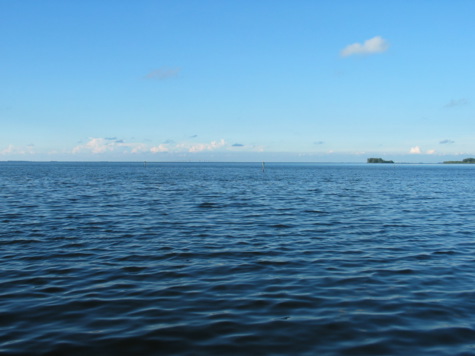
[(378, 160), (465, 161)]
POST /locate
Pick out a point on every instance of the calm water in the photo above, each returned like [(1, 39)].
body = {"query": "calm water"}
[(199, 259)]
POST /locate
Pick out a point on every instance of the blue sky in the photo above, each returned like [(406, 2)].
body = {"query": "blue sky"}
[(318, 81)]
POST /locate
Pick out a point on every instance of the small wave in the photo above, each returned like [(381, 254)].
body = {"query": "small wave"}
[(218, 261), (208, 205)]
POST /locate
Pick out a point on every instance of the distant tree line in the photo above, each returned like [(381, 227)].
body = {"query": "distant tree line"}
[(378, 160), (466, 160)]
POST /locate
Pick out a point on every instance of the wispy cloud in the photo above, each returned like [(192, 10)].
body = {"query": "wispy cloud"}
[(373, 45), (163, 73), (11, 149), (318, 143), (95, 145), (456, 102), (446, 142), (114, 139), (135, 147), (213, 145), (159, 148), (98, 145), (430, 152)]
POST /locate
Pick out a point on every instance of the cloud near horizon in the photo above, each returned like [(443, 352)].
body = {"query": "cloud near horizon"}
[(415, 150), (98, 145), (372, 46), (11, 149), (160, 148), (213, 145)]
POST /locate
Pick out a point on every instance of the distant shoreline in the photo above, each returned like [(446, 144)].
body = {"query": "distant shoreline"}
[(378, 160), (465, 161), (233, 162)]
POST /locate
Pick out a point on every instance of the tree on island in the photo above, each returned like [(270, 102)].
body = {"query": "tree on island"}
[(378, 160), (465, 161)]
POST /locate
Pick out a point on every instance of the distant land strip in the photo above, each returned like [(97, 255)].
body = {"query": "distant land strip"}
[(378, 160), (465, 161)]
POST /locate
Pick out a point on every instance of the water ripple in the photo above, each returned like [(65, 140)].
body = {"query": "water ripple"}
[(199, 259)]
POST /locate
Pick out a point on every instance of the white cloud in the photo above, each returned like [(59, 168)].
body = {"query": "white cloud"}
[(97, 145), (373, 45), (136, 147), (415, 150), (207, 146), (11, 149), (160, 148), (105, 147)]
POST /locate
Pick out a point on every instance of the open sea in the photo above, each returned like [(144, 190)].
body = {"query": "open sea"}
[(225, 259)]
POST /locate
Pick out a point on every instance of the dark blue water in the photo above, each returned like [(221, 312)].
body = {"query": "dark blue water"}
[(199, 259)]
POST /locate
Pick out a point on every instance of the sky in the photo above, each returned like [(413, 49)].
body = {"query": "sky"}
[(260, 80)]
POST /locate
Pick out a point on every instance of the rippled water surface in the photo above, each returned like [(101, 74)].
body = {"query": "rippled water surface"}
[(199, 259)]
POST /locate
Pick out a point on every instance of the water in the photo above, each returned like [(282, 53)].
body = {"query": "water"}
[(199, 259)]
